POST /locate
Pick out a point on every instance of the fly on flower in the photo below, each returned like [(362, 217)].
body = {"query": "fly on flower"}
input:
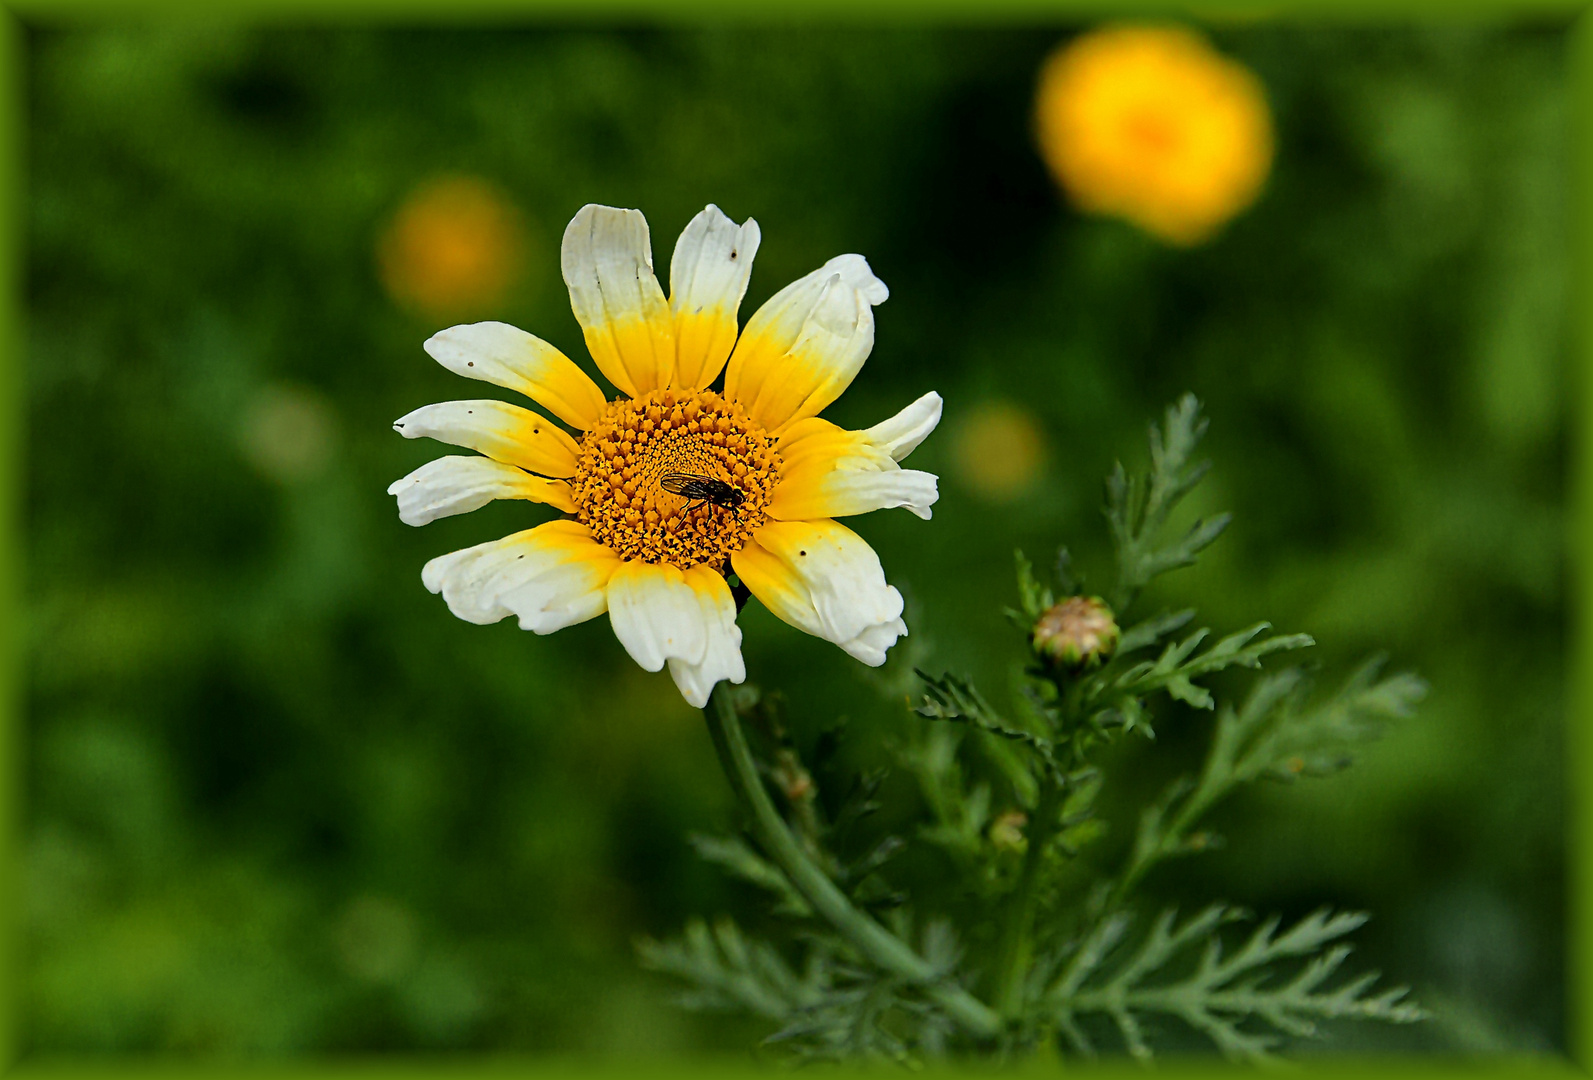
[(703, 488), (640, 478)]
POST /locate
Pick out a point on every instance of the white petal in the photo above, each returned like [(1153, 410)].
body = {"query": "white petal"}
[(901, 434), (656, 615), (722, 656), (825, 579), (502, 431), (457, 485), (870, 646), (607, 259), (803, 347), (507, 356), (707, 278), (552, 576)]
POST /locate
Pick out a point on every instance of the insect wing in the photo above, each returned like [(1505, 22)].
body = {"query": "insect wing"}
[(682, 484)]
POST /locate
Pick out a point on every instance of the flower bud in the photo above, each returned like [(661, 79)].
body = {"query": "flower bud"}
[(1006, 832), (1077, 633)]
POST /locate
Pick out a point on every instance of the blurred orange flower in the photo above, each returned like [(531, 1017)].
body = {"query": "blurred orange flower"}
[(1152, 124), (999, 450), (453, 249)]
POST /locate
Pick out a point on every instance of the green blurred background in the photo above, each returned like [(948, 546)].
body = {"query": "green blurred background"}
[(278, 800)]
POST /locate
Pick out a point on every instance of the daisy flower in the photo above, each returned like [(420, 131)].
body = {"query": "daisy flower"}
[(672, 486)]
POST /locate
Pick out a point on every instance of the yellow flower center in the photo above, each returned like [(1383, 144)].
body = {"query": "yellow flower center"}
[(706, 448)]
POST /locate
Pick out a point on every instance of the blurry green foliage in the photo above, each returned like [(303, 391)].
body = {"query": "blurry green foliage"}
[(279, 800)]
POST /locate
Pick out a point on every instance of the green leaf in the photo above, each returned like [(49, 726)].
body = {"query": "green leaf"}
[(1062, 570), (1277, 733), (1180, 688), (951, 698), (1034, 596), (1150, 631), (1137, 507), (1179, 663), (959, 815), (1254, 983), (740, 860), (1182, 552), (727, 971)]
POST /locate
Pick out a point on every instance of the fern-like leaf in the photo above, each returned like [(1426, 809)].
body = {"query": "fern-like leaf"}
[(951, 698), (725, 971), (1277, 733), (738, 858), (1179, 664), (1137, 507), (1261, 983)]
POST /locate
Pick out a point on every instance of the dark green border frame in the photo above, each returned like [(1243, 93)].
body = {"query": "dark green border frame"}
[(13, 336), (1579, 739)]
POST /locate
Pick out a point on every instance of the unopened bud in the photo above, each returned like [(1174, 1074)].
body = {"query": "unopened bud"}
[(794, 780), (1006, 832), (1077, 633)]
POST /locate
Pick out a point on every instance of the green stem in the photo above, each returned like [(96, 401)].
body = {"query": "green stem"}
[(1012, 954), (1013, 949), (871, 939)]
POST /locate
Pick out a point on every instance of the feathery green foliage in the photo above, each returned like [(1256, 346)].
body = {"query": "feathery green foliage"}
[(1222, 991), (1009, 797)]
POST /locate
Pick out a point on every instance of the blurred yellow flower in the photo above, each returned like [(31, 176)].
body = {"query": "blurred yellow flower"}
[(1152, 124), (453, 248), (288, 433), (999, 450)]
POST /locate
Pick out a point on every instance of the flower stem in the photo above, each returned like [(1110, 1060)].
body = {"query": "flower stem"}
[(868, 937), (1013, 949), (1012, 960)]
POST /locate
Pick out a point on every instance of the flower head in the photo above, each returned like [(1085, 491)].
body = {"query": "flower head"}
[(672, 486), (1079, 632), (1151, 124)]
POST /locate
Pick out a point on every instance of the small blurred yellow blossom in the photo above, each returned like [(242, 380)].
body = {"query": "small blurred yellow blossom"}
[(375, 939), (288, 432), (453, 248), (1152, 124), (999, 450)]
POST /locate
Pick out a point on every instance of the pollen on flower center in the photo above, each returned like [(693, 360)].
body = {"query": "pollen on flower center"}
[(626, 455)]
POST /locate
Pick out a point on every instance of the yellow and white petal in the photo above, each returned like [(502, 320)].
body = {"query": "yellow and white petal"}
[(722, 652), (507, 356), (805, 344), (890, 440), (817, 443), (821, 577), (901, 434), (503, 432), (829, 472), (608, 264), (844, 492), (457, 485), (656, 615), (552, 576), (707, 278)]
